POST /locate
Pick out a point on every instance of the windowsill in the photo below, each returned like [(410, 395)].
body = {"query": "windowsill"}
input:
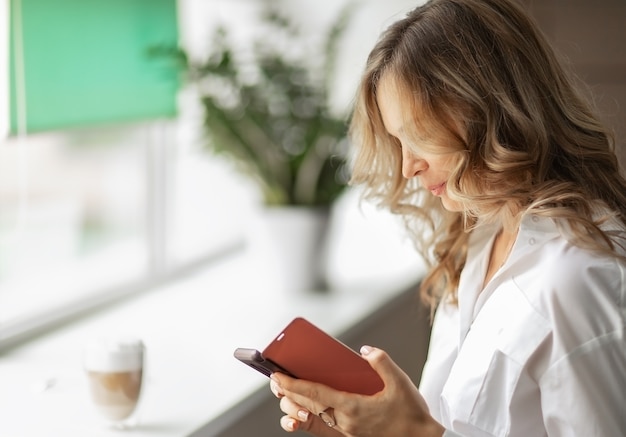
[(190, 334)]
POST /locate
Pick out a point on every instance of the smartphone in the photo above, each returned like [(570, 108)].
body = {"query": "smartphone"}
[(255, 359), (304, 351)]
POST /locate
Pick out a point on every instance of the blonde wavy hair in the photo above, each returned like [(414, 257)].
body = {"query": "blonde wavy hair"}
[(530, 142)]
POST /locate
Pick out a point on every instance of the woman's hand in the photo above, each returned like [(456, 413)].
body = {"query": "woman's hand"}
[(397, 410)]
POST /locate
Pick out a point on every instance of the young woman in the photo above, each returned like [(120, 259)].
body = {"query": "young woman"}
[(467, 125)]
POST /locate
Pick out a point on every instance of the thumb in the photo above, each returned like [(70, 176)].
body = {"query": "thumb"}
[(399, 382), (381, 362)]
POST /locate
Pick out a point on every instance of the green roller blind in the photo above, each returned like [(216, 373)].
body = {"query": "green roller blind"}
[(85, 61)]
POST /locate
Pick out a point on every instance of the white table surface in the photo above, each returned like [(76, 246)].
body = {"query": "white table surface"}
[(190, 329)]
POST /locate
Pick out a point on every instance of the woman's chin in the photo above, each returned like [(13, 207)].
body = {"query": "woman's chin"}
[(451, 205)]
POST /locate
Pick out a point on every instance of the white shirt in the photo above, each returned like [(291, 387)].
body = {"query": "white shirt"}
[(540, 351)]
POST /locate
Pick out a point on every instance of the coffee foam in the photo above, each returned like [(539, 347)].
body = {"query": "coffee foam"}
[(114, 355)]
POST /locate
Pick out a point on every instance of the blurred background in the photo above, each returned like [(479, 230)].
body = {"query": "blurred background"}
[(107, 184)]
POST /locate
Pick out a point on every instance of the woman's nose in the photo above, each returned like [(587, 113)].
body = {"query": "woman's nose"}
[(412, 165)]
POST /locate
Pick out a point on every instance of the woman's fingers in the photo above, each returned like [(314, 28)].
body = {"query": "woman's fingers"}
[(276, 389), (314, 427), (397, 410), (296, 414), (298, 418), (294, 410), (312, 396)]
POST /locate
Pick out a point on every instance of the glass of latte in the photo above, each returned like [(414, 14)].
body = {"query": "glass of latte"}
[(114, 369)]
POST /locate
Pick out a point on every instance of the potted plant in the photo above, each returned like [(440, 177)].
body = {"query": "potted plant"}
[(266, 108)]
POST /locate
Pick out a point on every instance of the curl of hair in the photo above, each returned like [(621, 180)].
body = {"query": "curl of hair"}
[(530, 141)]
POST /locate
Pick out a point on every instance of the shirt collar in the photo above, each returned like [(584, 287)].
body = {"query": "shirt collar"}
[(535, 230)]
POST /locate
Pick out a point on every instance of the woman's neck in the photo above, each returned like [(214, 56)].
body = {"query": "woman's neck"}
[(500, 251)]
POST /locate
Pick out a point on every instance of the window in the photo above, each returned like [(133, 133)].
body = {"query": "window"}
[(94, 213), (94, 208)]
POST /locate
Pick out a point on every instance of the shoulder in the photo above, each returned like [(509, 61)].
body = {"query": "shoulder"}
[(580, 292), (549, 255)]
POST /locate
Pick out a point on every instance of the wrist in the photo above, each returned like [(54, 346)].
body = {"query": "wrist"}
[(431, 428), (423, 427), (437, 429)]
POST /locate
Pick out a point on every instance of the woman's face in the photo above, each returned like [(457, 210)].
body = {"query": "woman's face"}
[(420, 153)]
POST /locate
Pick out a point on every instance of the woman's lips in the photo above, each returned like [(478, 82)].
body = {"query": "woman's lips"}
[(437, 190)]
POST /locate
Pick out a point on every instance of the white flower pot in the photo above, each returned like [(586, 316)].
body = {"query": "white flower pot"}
[(290, 244)]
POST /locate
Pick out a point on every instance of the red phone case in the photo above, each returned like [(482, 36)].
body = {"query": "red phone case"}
[(309, 353)]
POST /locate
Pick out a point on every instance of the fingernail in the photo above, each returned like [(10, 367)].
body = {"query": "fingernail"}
[(291, 424), (275, 389), (303, 414), (365, 350)]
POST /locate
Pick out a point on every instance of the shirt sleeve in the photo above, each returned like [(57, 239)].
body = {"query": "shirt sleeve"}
[(583, 391), (449, 433)]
